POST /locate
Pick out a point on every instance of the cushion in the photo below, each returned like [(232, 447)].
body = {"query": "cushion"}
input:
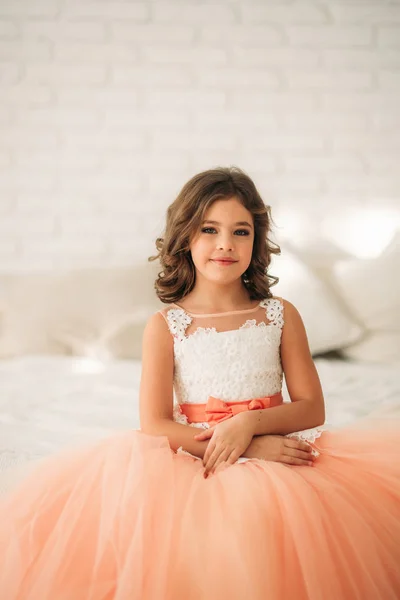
[(86, 312), (371, 290), (328, 324), (376, 347)]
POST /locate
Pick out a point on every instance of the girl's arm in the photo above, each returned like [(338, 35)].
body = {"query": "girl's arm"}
[(156, 390), (307, 408)]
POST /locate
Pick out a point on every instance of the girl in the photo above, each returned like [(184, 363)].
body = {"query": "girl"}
[(231, 493)]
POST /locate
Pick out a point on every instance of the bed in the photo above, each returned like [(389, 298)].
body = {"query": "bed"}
[(48, 402)]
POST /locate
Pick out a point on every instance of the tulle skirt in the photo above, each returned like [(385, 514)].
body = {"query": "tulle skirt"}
[(126, 518)]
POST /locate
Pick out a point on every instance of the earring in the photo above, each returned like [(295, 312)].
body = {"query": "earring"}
[(245, 277)]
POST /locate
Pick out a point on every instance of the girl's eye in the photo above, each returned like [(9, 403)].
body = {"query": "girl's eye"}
[(208, 229)]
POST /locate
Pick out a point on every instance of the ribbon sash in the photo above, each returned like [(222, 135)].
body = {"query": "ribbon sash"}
[(217, 410)]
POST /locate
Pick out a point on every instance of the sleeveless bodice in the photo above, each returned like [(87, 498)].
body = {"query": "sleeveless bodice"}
[(233, 356)]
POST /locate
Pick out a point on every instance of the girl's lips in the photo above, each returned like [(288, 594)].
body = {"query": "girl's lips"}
[(224, 262)]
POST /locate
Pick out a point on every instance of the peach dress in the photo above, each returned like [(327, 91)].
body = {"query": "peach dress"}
[(127, 518)]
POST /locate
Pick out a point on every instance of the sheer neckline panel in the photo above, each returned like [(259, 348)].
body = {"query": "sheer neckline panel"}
[(220, 314), (184, 325)]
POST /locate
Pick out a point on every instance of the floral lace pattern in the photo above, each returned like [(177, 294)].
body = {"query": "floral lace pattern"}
[(274, 311), (252, 323), (178, 320), (202, 330), (249, 323), (231, 365)]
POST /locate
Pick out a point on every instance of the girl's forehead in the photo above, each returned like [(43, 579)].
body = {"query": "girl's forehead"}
[(227, 208)]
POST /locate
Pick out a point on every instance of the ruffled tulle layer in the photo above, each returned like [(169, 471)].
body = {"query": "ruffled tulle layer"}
[(128, 519)]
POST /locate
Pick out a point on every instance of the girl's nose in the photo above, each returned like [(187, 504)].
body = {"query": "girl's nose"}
[(225, 244)]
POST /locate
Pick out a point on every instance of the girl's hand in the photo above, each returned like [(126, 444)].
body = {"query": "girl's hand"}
[(228, 441), (279, 448)]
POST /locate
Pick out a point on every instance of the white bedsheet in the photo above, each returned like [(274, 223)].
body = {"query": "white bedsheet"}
[(47, 402)]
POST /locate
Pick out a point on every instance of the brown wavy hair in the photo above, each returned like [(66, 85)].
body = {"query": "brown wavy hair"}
[(184, 218)]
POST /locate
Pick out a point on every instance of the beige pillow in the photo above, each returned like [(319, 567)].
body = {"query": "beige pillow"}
[(376, 347), (329, 326), (371, 290), (77, 312), (27, 312)]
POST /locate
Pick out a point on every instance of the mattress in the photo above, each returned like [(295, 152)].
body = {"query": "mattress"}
[(48, 402)]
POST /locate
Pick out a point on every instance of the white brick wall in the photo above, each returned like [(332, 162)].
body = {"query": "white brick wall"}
[(108, 107)]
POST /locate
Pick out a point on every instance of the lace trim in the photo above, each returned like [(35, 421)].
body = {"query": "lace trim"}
[(274, 311), (253, 323), (247, 325), (178, 320), (203, 330)]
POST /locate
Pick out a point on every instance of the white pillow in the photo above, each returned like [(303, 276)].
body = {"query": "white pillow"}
[(328, 325), (371, 290), (376, 347), (81, 312), (27, 310)]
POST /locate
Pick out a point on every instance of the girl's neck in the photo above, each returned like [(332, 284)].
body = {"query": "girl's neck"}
[(202, 305)]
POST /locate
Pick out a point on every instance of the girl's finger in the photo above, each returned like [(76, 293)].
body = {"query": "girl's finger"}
[(204, 435), (232, 458), (300, 445), (305, 455), (210, 463), (209, 451), (293, 443), (207, 433), (220, 459)]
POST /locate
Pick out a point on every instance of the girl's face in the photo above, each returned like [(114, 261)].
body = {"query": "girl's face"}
[(226, 232)]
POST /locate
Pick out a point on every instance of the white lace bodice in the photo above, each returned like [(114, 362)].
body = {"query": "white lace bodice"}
[(235, 364), (226, 355)]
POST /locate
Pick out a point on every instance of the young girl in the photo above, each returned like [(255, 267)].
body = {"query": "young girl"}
[(231, 493)]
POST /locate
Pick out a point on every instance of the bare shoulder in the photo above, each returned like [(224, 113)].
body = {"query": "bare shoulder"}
[(157, 349), (156, 327), (294, 332), (289, 309)]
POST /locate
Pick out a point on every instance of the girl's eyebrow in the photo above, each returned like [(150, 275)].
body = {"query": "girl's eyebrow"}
[(218, 223)]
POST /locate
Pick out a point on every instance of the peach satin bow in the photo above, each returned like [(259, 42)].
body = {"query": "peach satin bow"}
[(217, 410)]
